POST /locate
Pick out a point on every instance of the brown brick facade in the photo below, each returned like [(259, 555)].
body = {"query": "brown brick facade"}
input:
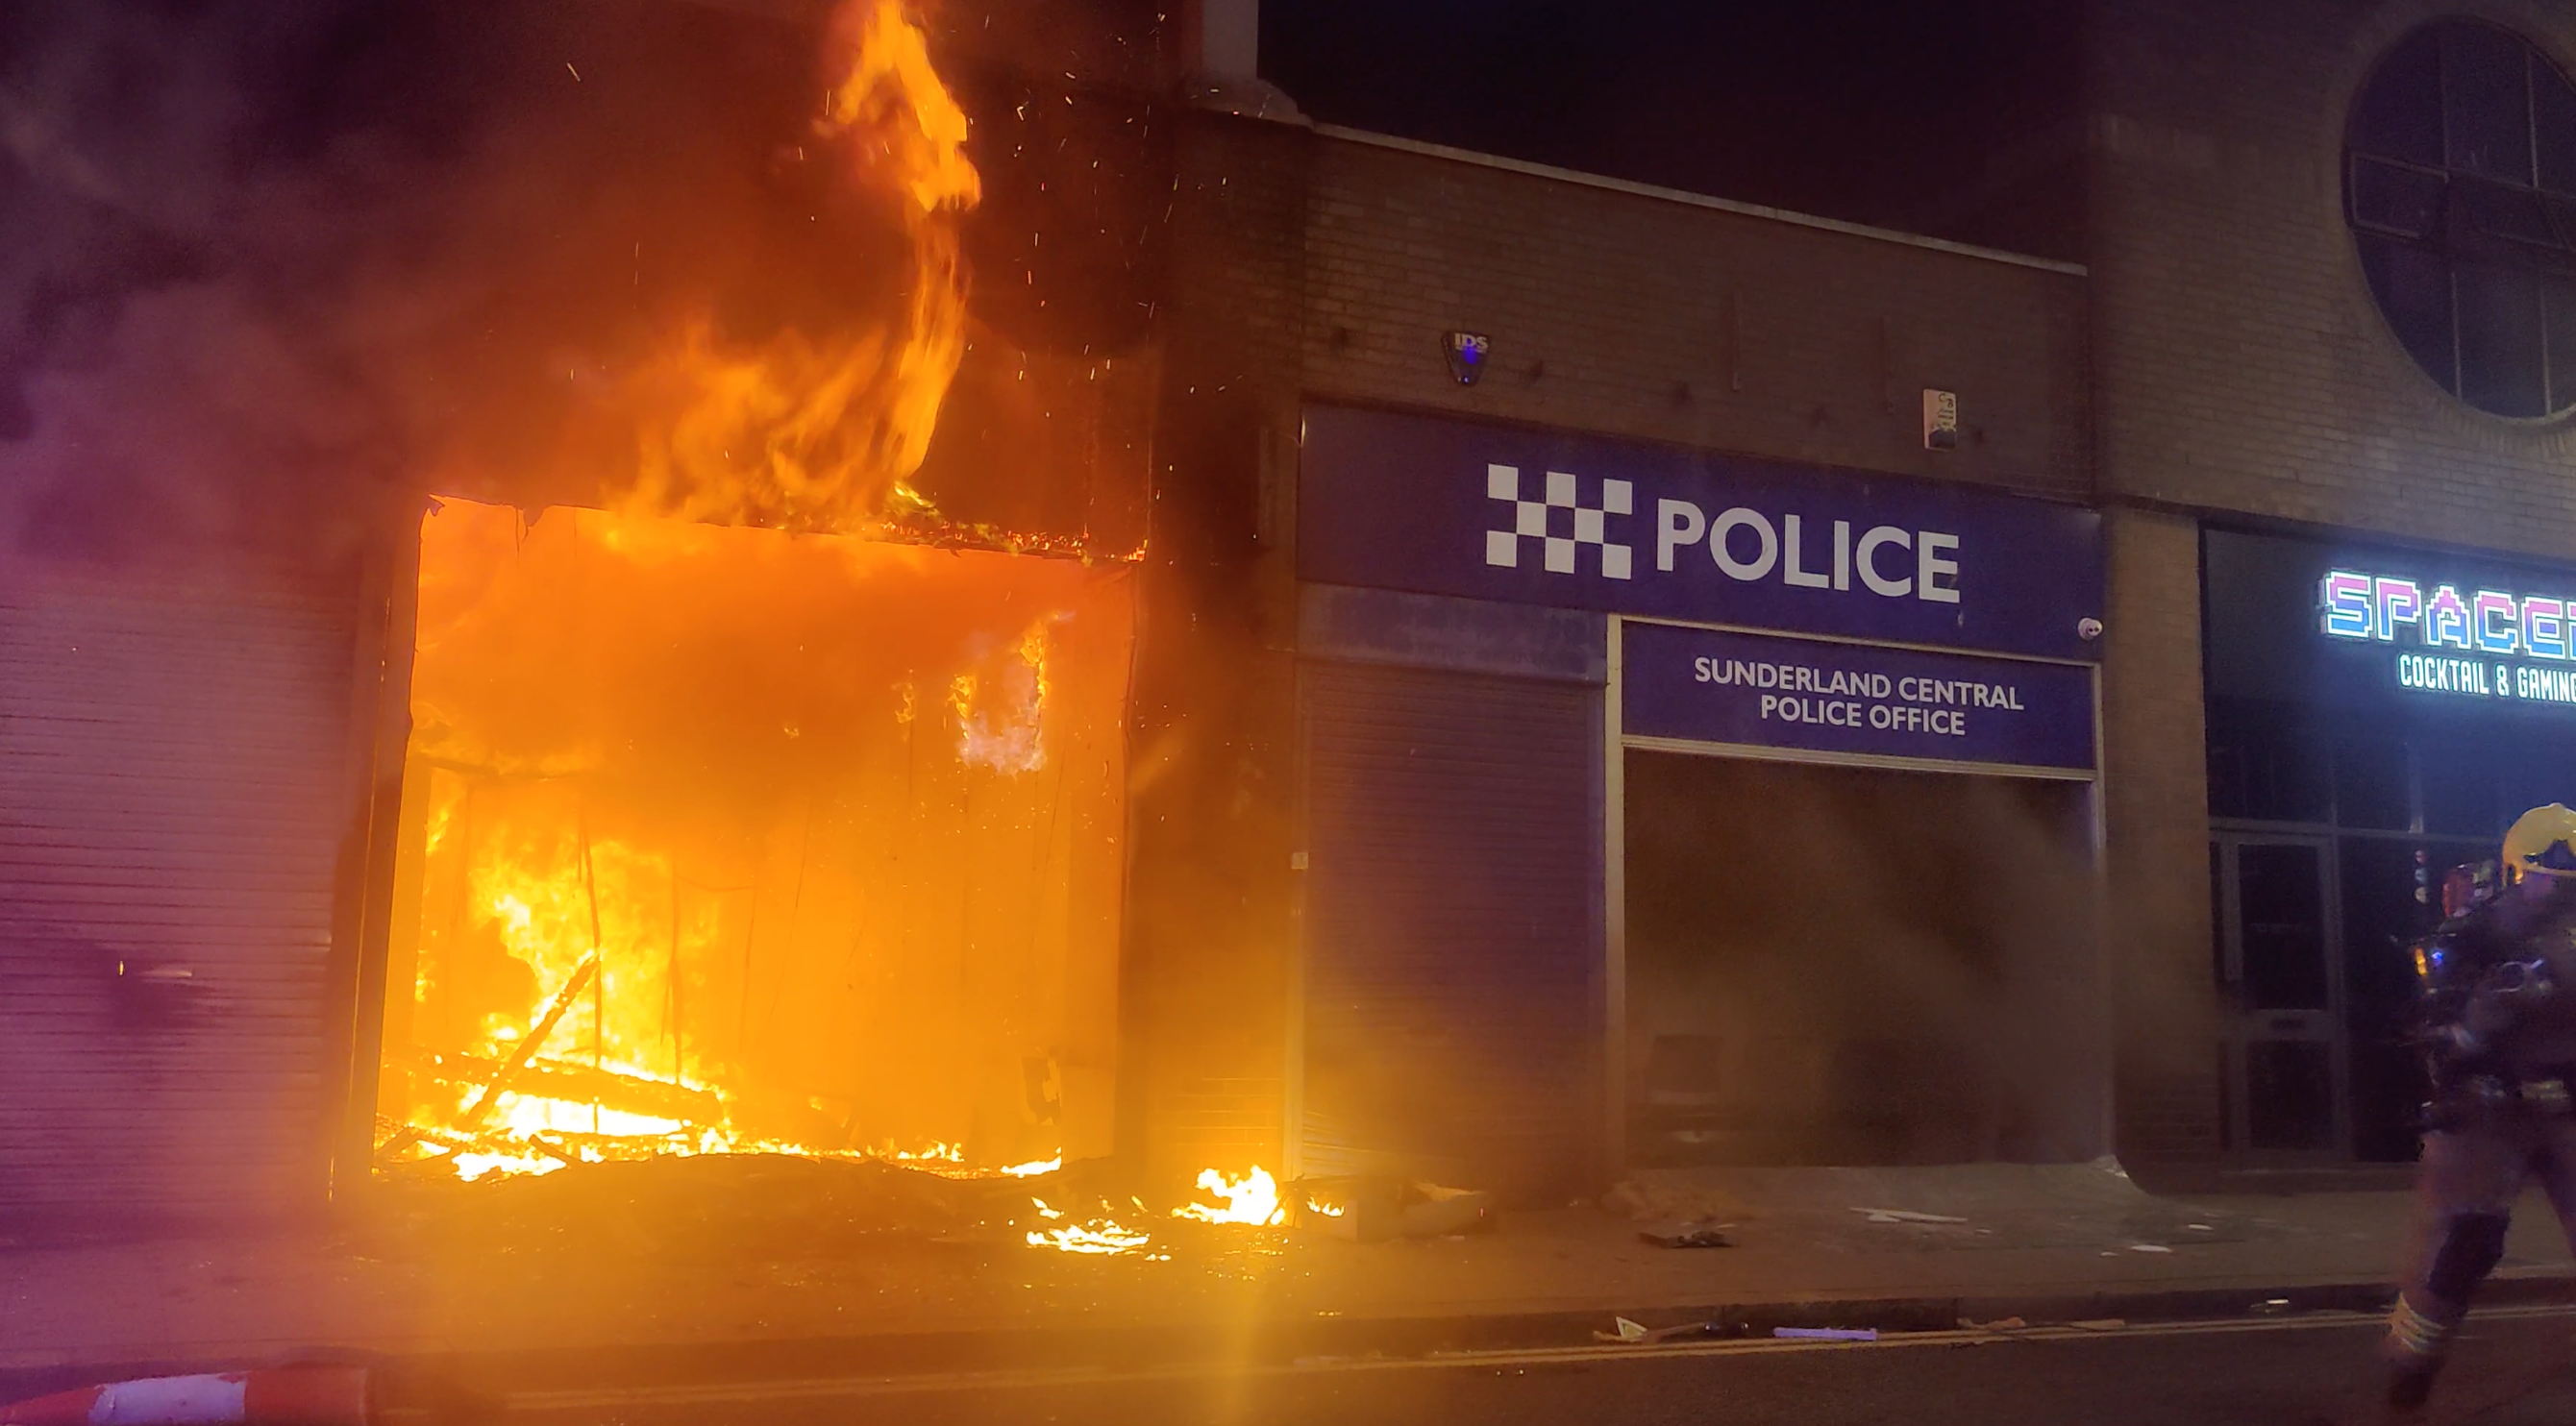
[(2242, 371), (2240, 364), (1643, 316), (1319, 266), (2156, 844), (2221, 360), (1211, 910)]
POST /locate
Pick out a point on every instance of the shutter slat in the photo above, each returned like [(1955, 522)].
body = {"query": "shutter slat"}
[(1453, 925), (171, 787)]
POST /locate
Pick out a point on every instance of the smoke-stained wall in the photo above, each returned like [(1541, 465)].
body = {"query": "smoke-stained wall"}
[(263, 261), (2156, 844), (1211, 910)]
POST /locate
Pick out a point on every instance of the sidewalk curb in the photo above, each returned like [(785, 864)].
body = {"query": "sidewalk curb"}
[(1273, 1342)]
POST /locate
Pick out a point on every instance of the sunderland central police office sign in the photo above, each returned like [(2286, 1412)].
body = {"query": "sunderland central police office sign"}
[(1717, 686), (2458, 640), (1446, 507)]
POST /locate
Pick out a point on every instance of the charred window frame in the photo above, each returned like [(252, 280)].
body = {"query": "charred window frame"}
[(2460, 189)]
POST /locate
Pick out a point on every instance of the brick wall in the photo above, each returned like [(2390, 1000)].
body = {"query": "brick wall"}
[(1638, 315), (2156, 845), (2241, 364), (2242, 369), (1211, 903)]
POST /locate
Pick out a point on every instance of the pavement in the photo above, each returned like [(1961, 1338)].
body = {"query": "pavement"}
[(678, 1297)]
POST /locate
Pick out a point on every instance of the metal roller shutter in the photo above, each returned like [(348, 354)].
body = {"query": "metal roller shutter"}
[(171, 807), (1453, 927)]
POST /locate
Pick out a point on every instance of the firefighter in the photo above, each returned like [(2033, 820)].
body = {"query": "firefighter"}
[(2498, 1020)]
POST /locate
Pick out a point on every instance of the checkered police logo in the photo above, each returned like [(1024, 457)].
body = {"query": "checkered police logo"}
[(1560, 523)]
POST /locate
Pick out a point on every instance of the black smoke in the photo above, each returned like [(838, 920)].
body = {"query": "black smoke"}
[(264, 265)]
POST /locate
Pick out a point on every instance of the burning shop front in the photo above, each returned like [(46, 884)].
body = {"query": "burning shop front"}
[(764, 784), (738, 419), (730, 838), (1664, 807)]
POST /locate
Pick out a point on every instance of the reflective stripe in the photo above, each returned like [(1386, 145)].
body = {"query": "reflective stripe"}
[(2416, 1333), (171, 1401)]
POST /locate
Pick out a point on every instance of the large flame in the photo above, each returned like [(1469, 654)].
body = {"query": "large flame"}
[(818, 430)]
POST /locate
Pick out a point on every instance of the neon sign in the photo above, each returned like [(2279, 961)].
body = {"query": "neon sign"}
[(2373, 607), (2482, 626)]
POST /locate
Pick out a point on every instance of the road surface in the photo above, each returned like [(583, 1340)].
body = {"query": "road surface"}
[(2518, 1368)]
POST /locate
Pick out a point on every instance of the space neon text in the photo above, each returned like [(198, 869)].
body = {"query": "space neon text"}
[(2372, 608)]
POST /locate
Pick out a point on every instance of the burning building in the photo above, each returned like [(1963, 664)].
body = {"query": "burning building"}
[(660, 685), (587, 582), (868, 583)]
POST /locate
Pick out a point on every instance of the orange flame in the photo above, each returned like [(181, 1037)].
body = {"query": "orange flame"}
[(677, 759), (813, 432), (1253, 1198)]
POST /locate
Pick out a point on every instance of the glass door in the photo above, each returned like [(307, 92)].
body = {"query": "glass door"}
[(2280, 996)]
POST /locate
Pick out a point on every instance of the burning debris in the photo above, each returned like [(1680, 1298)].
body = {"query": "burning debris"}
[(777, 1206), (1098, 1236), (1253, 1198), (696, 866)]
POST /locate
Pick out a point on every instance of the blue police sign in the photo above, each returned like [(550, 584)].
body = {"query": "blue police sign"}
[(1449, 507), (1760, 690)]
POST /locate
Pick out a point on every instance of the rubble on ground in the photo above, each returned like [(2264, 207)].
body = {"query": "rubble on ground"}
[(750, 1204), (1660, 1200)]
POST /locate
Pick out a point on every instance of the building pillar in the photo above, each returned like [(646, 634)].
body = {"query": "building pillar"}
[(1219, 61), (2156, 811)]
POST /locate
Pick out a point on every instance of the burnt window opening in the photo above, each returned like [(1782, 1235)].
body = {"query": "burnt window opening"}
[(2460, 187)]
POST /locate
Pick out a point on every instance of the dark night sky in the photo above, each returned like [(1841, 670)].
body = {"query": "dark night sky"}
[(1872, 110)]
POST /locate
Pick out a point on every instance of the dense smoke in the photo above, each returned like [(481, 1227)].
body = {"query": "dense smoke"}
[(1837, 967), (262, 264)]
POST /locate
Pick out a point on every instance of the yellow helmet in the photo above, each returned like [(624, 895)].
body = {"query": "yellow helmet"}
[(2542, 840)]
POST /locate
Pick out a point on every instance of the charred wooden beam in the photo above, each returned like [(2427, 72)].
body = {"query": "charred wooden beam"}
[(581, 1084), (472, 1118)]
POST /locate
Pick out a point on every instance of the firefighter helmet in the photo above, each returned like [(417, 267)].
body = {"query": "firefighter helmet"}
[(2542, 840)]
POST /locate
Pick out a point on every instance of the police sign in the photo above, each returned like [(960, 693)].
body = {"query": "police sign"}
[(1760, 690), (1446, 507)]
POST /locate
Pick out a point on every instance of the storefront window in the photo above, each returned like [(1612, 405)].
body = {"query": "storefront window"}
[(2352, 763), (2281, 898), (2266, 763), (2372, 783), (2459, 786)]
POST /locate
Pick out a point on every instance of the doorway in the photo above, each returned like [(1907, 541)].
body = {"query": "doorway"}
[(720, 838), (1857, 966), (2281, 997)]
